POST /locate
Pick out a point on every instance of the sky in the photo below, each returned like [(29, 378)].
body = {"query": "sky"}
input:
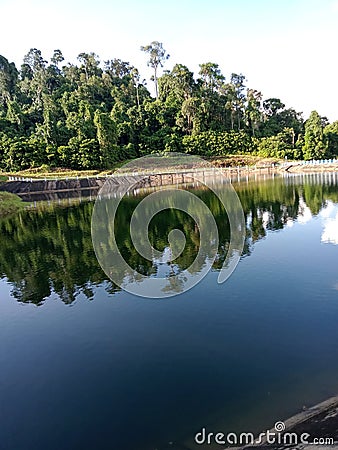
[(285, 48)]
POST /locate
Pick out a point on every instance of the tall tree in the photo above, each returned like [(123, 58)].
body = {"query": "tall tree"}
[(90, 64), (272, 106), (331, 136), (314, 145), (211, 76), (106, 136), (8, 79), (35, 60), (157, 56), (238, 99), (210, 86), (253, 109), (57, 58)]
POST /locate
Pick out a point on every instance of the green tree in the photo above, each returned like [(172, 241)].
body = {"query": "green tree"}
[(8, 80), (314, 143), (106, 136), (90, 64), (331, 137), (157, 56), (238, 97), (253, 110), (211, 76)]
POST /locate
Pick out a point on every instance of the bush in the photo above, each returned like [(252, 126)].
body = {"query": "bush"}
[(218, 143), (280, 146), (21, 152)]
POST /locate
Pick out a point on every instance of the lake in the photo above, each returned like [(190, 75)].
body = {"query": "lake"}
[(85, 365)]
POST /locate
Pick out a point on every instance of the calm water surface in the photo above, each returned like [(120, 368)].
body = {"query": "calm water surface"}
[(84, 365)]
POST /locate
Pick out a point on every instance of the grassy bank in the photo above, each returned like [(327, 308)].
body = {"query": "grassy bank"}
[(49, 172), (243, 161), (52, 173), (10, 204)]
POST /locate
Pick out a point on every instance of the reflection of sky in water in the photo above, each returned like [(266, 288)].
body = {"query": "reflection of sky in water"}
[(304, 216), (164, 268), (304, 213), (329, 216)]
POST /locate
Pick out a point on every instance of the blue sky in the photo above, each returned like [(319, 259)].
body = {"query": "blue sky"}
[(286, 49)]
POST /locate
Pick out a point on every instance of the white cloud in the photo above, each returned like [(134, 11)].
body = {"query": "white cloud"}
[(330, 224)]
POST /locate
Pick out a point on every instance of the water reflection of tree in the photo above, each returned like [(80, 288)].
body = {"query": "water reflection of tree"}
[(51, 251), (315, 196)]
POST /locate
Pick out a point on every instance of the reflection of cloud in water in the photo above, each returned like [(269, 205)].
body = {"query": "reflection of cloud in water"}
[(330, 232), (329, 210), (304, 212), (266, 218)]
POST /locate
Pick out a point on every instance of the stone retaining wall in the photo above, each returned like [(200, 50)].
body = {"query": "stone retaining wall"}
[(31, 186)]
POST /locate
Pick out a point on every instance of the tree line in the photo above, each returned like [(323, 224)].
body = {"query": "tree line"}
[(92, 115)]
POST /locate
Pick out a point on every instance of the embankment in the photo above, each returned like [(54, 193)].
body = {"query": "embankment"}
[(26, 187)]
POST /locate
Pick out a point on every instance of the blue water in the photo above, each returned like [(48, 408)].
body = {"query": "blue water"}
[(108, 370)]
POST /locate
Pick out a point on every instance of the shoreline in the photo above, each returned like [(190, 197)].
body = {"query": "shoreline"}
[(318, 421), (26, 186), (29, 186)]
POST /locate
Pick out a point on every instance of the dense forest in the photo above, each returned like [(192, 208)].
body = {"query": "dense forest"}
[(93, 115)]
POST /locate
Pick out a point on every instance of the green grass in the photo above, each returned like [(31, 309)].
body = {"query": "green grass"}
[(48, 172), (10, 204)]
